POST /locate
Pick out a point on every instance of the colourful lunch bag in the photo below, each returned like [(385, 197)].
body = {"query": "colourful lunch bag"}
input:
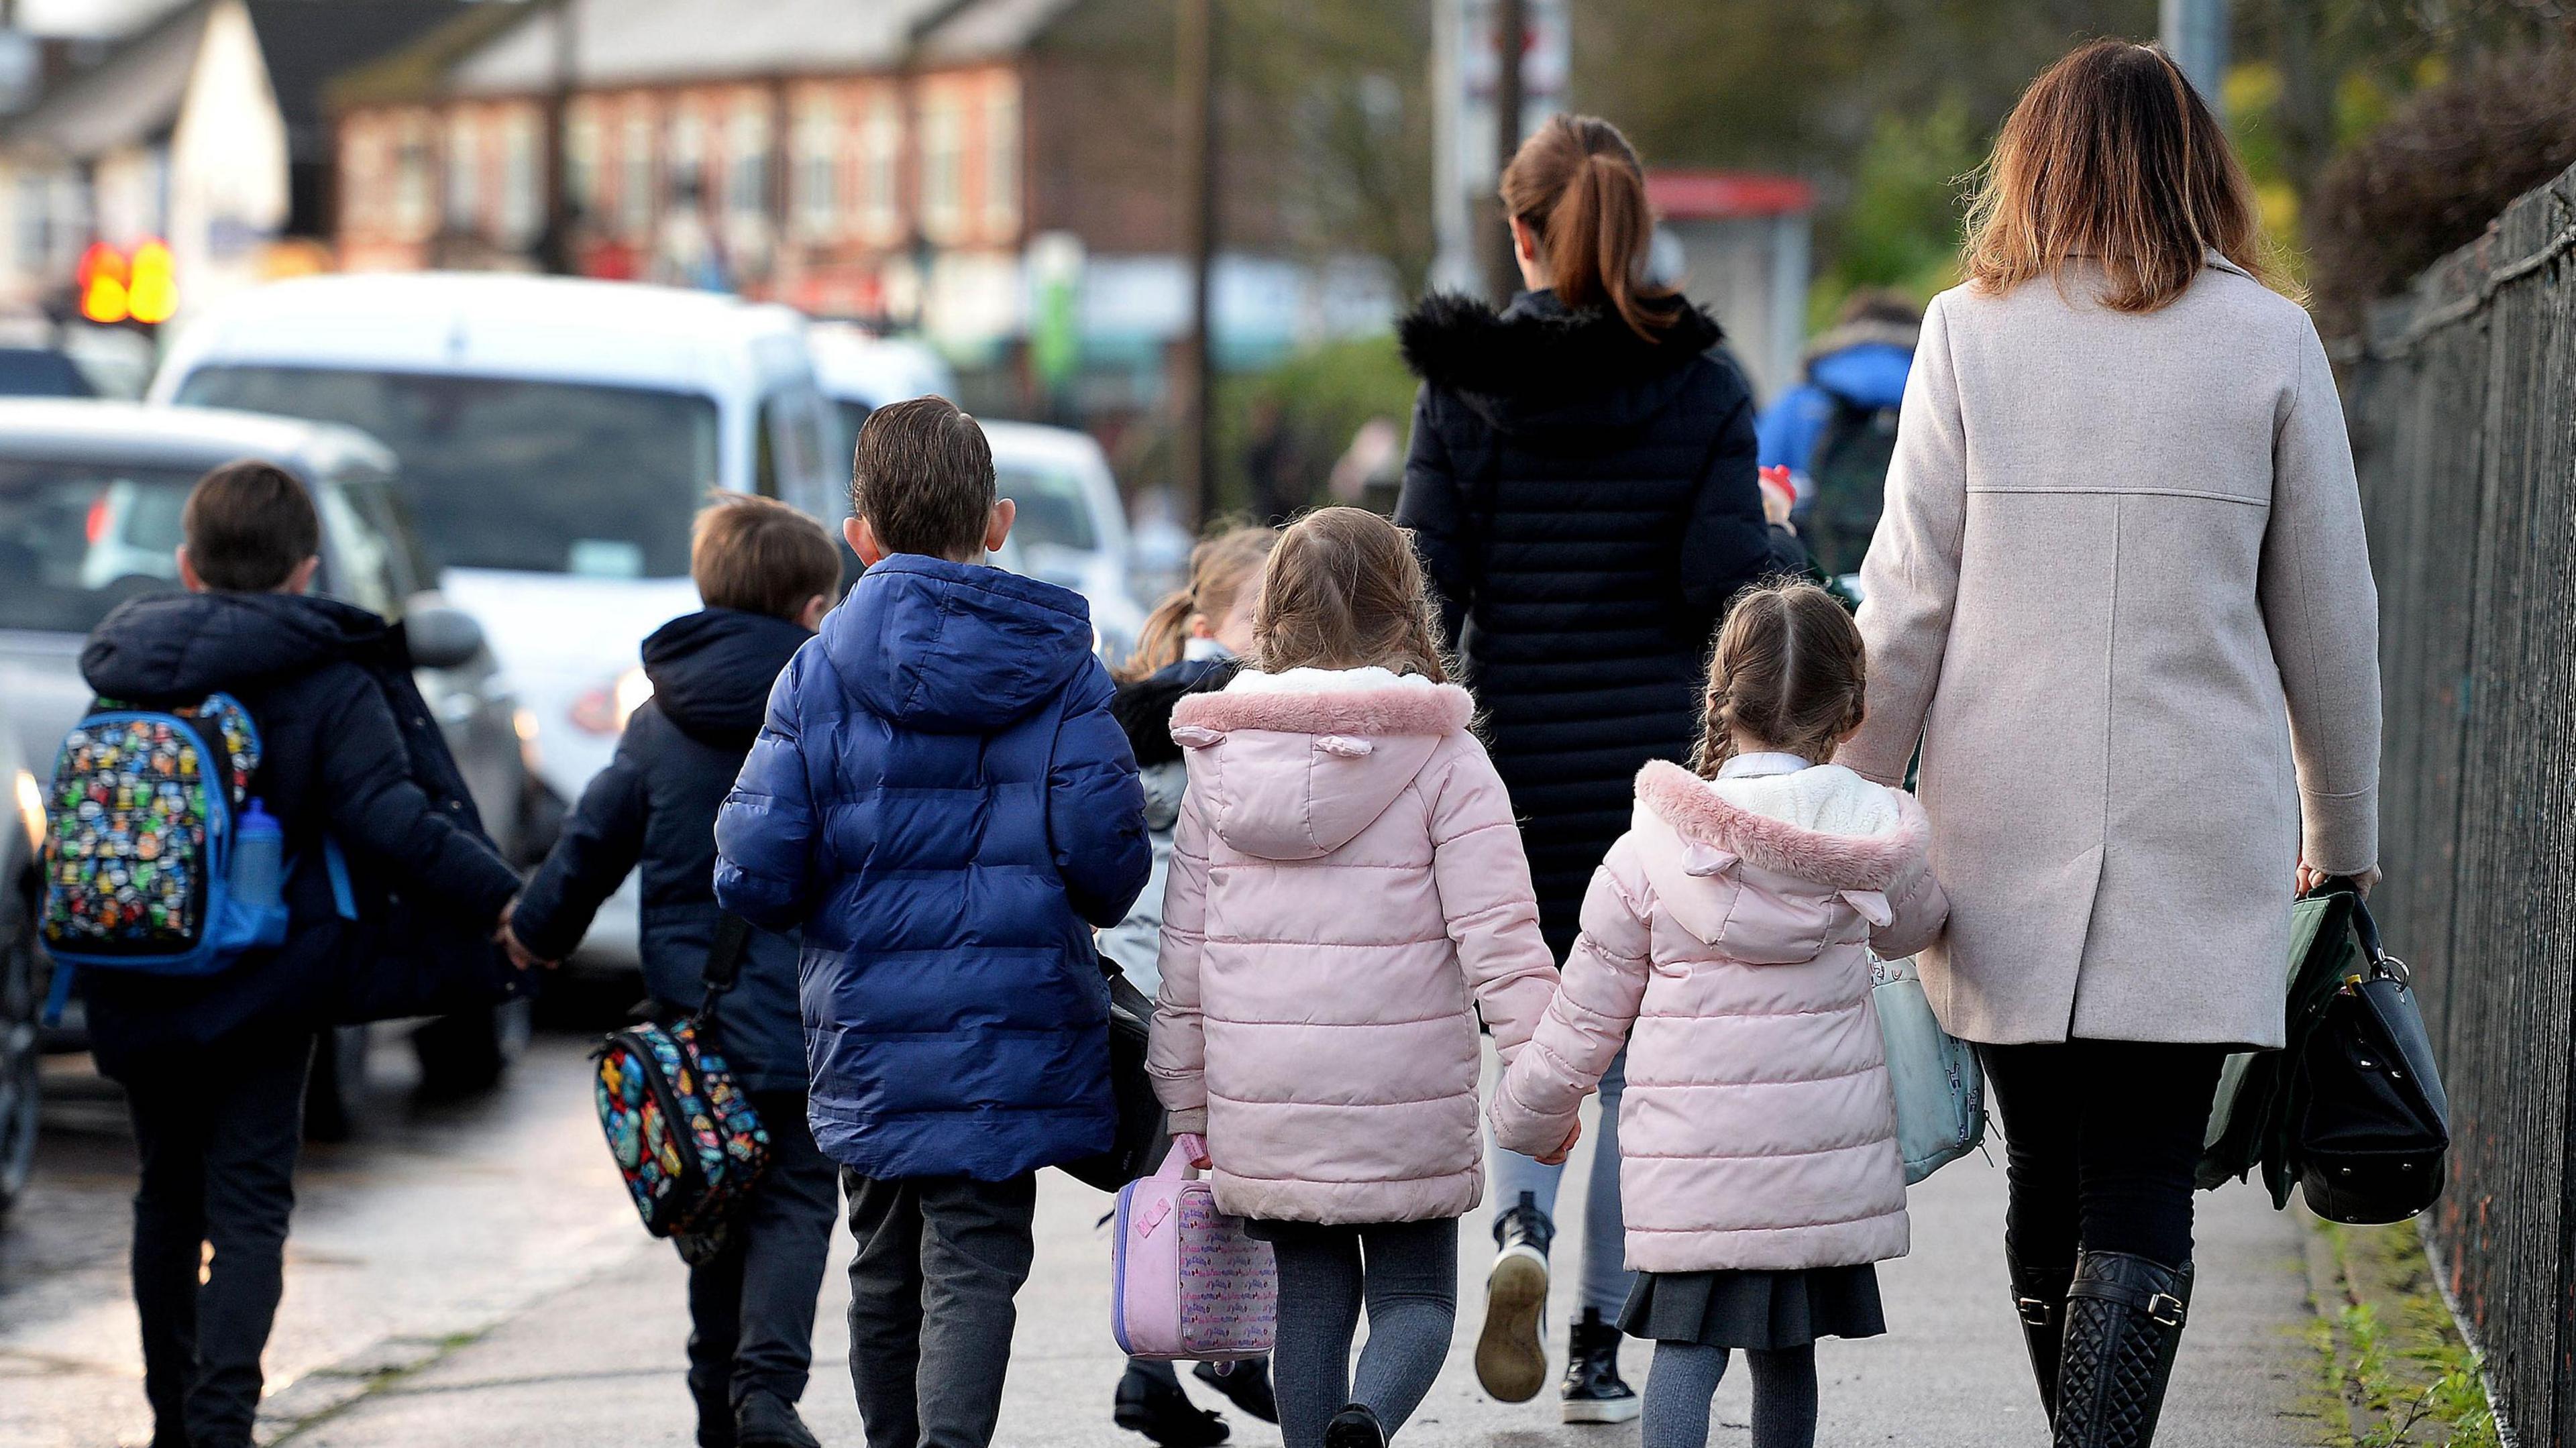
[(1186, 1281), (683, 1133), (142, 819)]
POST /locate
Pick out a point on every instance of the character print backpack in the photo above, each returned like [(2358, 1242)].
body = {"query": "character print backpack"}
[(156, 858), (1186, 1281), (682, 1132)]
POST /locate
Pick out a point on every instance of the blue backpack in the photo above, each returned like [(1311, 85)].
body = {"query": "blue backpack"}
[(145, 862)]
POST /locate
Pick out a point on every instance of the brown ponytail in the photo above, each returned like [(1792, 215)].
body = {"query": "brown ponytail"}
[(1577, 186), (1221, 568)]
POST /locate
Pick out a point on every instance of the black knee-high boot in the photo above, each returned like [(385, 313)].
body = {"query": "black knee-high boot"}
[(2124, 1317), (2039, 1299)]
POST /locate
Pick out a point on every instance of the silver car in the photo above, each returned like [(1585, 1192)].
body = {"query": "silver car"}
[(90, 495)]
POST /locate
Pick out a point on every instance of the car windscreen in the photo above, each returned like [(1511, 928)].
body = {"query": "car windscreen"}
[(1053, 507), (76, 539), (540, 477), (35, 372)]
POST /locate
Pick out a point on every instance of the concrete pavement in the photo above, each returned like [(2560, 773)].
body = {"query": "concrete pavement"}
[(599, 1362)]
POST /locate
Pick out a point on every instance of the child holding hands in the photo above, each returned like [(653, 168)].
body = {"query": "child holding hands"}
[(1347, 893), (1726, 941)]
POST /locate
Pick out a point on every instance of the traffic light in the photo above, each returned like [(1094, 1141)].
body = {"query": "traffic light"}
[(115, 287)]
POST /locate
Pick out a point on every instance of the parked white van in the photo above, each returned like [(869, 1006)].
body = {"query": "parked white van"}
[(556, 437)]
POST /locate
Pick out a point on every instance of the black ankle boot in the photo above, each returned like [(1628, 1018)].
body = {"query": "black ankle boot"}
[(2124, 1317), (1511, 1360), (1246, 1384), (766, 1420), (1162, 1412), (2039, 1299), (714, 1402), (1593, 1391)]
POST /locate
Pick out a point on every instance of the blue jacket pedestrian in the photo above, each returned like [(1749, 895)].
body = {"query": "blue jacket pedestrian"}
[(942, 802)]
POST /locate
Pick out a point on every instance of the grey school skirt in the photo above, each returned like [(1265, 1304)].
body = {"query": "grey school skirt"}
[(1755, 1309)]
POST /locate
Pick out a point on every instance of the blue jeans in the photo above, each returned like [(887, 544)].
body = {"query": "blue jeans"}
[(1605, 1229)]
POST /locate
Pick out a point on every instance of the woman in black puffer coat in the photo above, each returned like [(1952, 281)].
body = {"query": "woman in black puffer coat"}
[(1581, 485)]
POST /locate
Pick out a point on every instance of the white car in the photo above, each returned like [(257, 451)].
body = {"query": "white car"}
[(556, 438)]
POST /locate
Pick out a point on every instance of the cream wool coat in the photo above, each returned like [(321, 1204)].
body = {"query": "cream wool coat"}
[(2121, 595), (1347, 894)]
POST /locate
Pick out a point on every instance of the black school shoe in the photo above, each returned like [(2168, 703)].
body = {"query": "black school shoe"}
[(1593, 1391), (1246, 1385), (766, 1420), (1164, 1414), (1355, 1427)]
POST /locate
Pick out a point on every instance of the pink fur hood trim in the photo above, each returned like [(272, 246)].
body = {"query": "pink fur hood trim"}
[(1684, 801), (1440, 710)]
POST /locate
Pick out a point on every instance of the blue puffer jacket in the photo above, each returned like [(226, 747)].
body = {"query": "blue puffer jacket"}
[(940, 799)]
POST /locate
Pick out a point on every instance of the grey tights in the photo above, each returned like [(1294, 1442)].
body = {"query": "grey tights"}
[(1685, 1377), (1406, 1275)]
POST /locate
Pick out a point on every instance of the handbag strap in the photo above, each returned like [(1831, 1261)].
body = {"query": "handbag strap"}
[(724, 959)]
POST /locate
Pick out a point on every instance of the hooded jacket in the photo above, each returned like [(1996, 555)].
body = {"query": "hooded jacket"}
[(1861, 365), (1347, 892), (1586, 504), (1144, 709), (940, 799), (1726, 941), (654, 808), (347, 748)]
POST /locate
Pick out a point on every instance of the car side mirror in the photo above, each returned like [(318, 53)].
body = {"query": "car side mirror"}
[(442, 637)]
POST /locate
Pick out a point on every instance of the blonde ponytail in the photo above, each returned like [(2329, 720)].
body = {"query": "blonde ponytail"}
[(1221, 568)]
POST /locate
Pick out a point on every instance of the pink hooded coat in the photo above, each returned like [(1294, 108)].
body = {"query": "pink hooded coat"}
[(1730, 950), (1347, 886)]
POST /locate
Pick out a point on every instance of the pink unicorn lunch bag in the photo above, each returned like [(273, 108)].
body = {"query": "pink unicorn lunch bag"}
[(1185, 1282)]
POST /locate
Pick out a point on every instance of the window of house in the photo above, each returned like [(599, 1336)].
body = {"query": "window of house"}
[(522, 202), (464, 170), (413, 169), (817, 167), (881, 167), (581, 161), (747, 161), (687, 171), (635, 176), (1002, 158), (943, 159)]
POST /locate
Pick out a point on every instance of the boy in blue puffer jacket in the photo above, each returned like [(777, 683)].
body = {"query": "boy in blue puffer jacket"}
[(766, 573), (942, 802)]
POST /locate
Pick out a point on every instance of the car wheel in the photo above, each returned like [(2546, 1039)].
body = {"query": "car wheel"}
[(337, 1085), (466, 1053)]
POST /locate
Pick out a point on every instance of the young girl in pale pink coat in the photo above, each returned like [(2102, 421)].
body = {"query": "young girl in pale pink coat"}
[(1726, 940), (1347, 892)]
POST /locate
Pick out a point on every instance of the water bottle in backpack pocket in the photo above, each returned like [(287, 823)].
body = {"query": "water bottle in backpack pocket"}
[(156, 859)]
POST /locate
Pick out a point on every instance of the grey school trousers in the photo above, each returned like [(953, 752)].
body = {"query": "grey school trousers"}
[(939, 1261)]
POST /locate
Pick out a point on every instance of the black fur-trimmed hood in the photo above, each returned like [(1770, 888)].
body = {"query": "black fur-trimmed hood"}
[(1460, 343)]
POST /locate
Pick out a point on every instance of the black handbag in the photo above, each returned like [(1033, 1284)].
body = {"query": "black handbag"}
[(1139, 1141), (2351, 1109)]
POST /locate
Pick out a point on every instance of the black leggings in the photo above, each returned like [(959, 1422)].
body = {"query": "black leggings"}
[(2100, 1138)]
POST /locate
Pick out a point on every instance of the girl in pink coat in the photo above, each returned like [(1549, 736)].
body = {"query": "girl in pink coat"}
[(1726, 940), (1347, 894)]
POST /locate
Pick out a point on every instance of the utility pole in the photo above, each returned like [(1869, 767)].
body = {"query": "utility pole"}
[(1511, 44), (555, 243), (1194, 449), (2195, 35)]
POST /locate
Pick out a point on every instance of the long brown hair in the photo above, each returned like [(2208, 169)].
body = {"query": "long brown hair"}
[(1577, 186), (1221, 568), (2111, 156), (1344, 591), (1789, 673)]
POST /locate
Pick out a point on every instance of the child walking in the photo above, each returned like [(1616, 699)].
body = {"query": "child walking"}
[(766, 573), (941, 801), (1726, 942), (1194, 642), (1347, 893)]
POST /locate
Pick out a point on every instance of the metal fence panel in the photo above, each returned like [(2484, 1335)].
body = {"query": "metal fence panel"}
[(2463, 415)]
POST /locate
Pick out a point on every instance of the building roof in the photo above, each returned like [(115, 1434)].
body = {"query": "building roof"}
[(134, 95)]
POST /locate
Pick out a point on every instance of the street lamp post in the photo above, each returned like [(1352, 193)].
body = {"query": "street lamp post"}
[(2195, 35)]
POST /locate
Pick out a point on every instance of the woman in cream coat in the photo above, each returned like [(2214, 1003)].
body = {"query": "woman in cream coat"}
[(2121, 600)]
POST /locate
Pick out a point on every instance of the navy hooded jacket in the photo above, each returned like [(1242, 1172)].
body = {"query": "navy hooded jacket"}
[(941, 800), (348, 749), (654, 808)]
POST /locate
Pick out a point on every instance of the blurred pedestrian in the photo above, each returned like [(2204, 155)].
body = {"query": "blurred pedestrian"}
[(942, 801), (1739, 914), (2122, 571), (1347, 895), (1582, 488), (214, 1067), (766, 573), (1836, 430), (1194, 642)]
